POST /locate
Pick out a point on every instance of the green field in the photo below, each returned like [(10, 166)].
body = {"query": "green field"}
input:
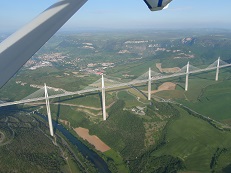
[(144, 136), (190, 142), (26, 146), (117, 161), (194, 141), (211, 100), (131, 100)]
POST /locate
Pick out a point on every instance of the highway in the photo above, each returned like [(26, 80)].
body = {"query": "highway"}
[(134, 82)]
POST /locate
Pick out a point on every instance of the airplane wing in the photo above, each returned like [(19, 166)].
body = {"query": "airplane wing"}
[(17, 49), (155, 5)]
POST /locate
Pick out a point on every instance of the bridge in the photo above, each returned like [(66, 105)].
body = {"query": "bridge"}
[(149, 76)]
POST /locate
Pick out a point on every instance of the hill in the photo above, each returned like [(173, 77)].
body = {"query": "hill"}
[(161, 135)]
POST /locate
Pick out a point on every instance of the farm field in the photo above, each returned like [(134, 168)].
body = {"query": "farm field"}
[(143, 136), (195, 142), (214, 101)]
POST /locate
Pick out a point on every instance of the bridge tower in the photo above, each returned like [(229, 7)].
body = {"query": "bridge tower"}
[(48, 111), (103, 100), (187, 75), (218, 66), (149, 83)]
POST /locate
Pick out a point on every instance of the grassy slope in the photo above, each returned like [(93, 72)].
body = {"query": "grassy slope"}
[(205, 95), (191, 139), (214, 101), (194, 141), (28, 148), (224, 163), (131, 100), (181, 136), (118, 160)]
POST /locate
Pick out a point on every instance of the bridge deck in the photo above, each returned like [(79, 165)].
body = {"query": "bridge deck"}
[(109, 87)]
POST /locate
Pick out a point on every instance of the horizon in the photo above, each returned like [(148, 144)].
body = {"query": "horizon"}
[(116, 15), (132, 30)]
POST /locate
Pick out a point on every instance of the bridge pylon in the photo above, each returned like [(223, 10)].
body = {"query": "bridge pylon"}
[(218, 66), (48, 111), (187, 75), (104, 100), (149, 84)]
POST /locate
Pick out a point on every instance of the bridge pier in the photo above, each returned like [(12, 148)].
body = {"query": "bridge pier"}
[(103, 100), (187, 75), (218, 66), (149, 84), (48, 111)]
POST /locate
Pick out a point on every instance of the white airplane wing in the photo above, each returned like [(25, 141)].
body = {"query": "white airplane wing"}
[(17, 49), (155, 5)]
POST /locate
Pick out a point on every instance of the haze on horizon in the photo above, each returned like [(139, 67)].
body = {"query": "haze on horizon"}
[(119, 14)]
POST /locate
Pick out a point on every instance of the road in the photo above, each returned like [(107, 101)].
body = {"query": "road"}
[(109, 87)]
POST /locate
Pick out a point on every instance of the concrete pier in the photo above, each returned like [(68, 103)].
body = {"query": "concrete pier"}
[(104, 100), (149, 84), (187, 75), (218, 66), (48, 111)]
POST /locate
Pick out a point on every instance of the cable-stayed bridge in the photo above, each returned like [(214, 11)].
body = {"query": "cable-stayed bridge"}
[(112, 84), (109, 84)]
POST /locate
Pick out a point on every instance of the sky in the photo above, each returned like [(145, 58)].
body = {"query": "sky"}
[(123, 14)]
